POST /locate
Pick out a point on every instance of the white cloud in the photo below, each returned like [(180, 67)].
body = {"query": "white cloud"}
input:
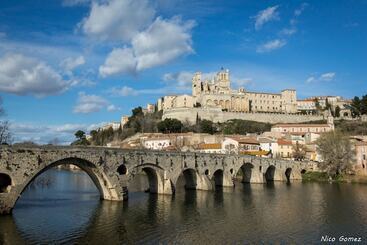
[(326, 77), (300, 10), (74, 2), (23, 75), (271, 45), (120, 60), (117, 19), (289, 31), (124, 91), (91, 103), (266, 15), (70, 64), (42, 134), (162, 42), (112, 108), (182, 79)]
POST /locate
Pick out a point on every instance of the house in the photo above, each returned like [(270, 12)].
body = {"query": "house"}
[(285, 149), (158, 143), (361, 157), (209, 148)]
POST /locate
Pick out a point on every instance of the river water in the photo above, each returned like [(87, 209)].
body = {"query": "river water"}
[(63, 206)]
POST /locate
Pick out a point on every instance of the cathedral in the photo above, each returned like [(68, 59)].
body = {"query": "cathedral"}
[(217, 93)]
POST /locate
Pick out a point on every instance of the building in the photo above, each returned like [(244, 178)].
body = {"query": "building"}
[(285, 149), (307, 106), (296, 128), (217, 93), (114, 125), (361, 157), (210, 148), (158, 143)]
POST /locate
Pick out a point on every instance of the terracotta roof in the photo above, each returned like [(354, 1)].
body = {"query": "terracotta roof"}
[(285, 125), (361, 143), (245, 140), (209, 146), (284, 142)]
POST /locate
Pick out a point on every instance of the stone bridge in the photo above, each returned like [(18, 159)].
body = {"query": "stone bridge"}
[(112, 169)]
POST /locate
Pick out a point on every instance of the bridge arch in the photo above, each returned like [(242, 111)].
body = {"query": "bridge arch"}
[(157, 183), (5, 183), (288, 173), (246, 170), (218, 178), (99, 178), (269, 174)]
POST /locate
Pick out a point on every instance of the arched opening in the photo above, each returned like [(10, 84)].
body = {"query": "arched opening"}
[(122, 170), (246, 173), (218, 178), (187, 180), (5, 183), (269, 174), (288, 173), (303, 171), (145, 179), (63, 193)]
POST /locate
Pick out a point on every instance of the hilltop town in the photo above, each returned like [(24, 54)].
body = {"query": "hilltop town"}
[(217, 119)]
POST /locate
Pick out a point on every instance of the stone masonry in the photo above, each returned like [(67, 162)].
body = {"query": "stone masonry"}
[(111, 169)]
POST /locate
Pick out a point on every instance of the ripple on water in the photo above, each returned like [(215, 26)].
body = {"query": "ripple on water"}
[(70, 212)]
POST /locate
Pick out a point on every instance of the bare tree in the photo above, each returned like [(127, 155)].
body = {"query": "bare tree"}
[(5, 136), (335, 150), (299, 152)]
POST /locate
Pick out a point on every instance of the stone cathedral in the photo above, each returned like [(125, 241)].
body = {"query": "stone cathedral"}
[(217, 93)]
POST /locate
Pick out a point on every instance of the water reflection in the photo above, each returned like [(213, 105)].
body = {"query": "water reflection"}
[(69, 211)]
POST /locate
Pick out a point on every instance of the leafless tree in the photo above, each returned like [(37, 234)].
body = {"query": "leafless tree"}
[(336, 152), (299, 152)]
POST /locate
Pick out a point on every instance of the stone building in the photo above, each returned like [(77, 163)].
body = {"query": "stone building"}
[(217, 93)]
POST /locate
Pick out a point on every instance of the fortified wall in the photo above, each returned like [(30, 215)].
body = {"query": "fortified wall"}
[(217, 115)]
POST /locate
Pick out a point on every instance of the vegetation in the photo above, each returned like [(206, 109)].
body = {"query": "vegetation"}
[(351, 127), (237, 126), (299, 152), (169, 125), (335, 150), (5, 136), (359, 106), (80, 138)]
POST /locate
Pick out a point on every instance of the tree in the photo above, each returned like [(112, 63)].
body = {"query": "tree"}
[(5, 136), (355, 106), (335, 150), (170, 125), (206, 126), (79, 134), (337, 111), (299, 152), (80, 138)]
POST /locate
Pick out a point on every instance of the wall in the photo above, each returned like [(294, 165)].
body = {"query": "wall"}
[(217, 115)]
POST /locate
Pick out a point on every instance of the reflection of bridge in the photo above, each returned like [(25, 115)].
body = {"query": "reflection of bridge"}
[(112, 169)]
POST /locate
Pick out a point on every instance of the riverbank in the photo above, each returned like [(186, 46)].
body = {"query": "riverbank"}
[(323, 177)]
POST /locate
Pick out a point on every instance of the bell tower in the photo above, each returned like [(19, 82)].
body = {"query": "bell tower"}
[(196, 84)]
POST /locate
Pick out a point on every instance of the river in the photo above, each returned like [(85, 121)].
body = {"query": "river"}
[(63, 206)]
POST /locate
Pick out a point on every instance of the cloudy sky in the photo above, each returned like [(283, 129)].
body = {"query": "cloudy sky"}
[(74, 64)]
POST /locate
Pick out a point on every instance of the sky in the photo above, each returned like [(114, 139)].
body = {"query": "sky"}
[(76, 64)]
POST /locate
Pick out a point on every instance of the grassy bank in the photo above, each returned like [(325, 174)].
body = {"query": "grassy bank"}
[(323, 177)]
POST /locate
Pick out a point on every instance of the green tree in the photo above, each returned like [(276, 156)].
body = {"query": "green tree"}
[(207, 126), (356, 106), (170, 125), (335, 150), (79, 134)]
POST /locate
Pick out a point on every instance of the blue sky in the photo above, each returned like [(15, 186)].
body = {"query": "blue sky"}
[(73, 64)]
